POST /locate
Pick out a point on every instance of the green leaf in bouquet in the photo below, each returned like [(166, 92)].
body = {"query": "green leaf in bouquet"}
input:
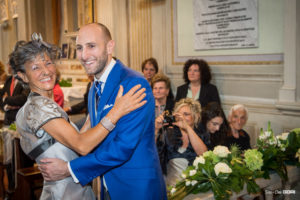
[(236, 183), (252, 187), (202, 187), (220, 191)]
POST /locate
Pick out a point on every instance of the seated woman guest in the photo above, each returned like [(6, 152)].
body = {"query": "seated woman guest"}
[(149, 68), (197, 77), (161, 87), (45, 129), (183, 139), (213, 126), (237, 118)]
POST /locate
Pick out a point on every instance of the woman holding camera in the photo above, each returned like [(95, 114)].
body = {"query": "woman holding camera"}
[(181, 139)]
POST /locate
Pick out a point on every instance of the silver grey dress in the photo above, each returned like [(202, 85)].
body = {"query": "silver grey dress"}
[(38, 144)]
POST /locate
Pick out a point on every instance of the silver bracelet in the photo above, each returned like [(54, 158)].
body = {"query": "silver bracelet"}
[(107, 124), (181, 150)]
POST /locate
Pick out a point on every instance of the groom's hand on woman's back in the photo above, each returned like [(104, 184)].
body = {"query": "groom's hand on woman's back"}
[(53, 169)]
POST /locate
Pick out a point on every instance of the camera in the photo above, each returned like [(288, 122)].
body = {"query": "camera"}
[(168, 119)]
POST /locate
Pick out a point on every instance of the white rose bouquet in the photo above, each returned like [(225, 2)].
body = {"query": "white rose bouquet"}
[(218, 170)]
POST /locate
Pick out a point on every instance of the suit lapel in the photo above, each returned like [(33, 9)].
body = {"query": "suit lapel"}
[(111, 86)]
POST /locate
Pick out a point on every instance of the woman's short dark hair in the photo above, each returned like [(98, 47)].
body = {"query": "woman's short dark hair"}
[(152, 61), (205, 74), (28, 51)]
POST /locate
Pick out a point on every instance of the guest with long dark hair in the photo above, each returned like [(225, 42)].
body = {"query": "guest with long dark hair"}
[(214, 125)]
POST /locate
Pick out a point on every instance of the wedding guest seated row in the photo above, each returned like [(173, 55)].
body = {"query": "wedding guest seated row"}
[(179, 141), (192, 132)]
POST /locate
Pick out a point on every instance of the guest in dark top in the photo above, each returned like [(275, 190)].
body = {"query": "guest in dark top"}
[(12, 97), (183, 139), (81, 106), (197, 77), (161, 87), (214, 125), (237, 118)]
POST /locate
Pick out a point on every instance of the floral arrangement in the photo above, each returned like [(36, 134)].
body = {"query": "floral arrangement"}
[(224, 172), (278, 151), (221, 171)]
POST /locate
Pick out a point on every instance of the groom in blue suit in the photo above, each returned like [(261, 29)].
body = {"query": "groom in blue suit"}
[(126, 160)]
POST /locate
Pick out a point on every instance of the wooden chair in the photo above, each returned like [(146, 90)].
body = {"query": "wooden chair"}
[(29, 179)]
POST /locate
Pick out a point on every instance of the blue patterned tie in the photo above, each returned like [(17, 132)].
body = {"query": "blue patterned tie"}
[(98, 91)]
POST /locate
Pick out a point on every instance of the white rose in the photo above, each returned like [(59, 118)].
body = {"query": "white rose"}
[(272, 141), (278, 142), (267, 133), (193, 172), (173, 191), (194, 182), (262, 137), (187, 183), (222, 167), (183, 175), (221, 151), (199, 159), (284, 136)]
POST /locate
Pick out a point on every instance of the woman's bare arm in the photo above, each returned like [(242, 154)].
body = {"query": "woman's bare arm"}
[(83, 143)]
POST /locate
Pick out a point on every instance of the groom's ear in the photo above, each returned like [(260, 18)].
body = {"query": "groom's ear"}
[(110, 46)]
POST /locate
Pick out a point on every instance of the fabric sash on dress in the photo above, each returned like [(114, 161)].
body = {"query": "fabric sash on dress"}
[(38, 150)]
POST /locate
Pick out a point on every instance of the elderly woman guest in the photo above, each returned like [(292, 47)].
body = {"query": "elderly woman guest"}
[(197, 77), (184, 141), (161, 87), (44, 126), (213, 126), (237, 118)]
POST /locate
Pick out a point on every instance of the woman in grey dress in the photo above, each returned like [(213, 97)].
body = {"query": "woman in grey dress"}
[(45, 128)]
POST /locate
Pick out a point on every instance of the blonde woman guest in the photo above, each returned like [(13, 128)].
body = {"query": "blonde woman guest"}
[(184, 141)]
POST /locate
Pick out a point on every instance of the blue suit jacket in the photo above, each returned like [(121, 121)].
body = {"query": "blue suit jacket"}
[(128, 157)]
